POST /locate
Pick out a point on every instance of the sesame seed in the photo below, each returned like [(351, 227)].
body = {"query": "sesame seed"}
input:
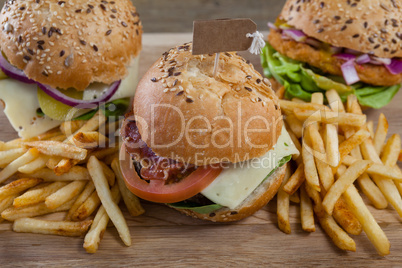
[(188, 100), (62, 53), (343, 27), (88, 10), (108, 32), (78, 11), (350, 21), (180, 93), (113, 10), (83, 42), (248, 89), (27, 58), (153, 79), (103, 7), (356, 35), (320, 30)]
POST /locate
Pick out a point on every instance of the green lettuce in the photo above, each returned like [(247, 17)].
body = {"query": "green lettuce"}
[(301, 80), (206, 209)]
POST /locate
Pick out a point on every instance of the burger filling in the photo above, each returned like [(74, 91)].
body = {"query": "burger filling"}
[(41, 112), (304, 65), (229, 189)]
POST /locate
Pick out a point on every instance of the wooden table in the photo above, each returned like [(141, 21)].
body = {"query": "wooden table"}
[(164, 237)]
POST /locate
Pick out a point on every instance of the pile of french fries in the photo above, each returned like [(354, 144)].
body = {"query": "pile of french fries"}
[(339, 151), (72, 169)]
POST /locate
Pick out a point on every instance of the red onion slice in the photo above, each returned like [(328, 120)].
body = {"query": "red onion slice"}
[(349, 72), (13, 72), (313, 42), (272, 26), (384, 61), (296, 35), (345, 56), (395, 67), (88, 104), (362, 59)]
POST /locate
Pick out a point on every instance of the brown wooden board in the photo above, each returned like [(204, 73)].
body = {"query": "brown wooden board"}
[(163, 237)]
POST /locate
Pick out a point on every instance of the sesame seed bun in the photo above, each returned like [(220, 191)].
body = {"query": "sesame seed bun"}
[(68, 44), (185, 113), (254, 202), (366, 26)]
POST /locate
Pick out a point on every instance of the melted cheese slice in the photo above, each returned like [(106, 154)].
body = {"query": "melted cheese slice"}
[(237, 182), (21, 102)]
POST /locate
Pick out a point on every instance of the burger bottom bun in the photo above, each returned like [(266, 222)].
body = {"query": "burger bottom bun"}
[(254, 202)]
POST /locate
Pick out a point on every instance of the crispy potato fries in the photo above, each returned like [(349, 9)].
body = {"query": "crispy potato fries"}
[(340, 148), (48, 174)]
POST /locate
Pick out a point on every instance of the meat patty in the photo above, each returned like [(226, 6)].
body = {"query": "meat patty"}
[(377, 75)]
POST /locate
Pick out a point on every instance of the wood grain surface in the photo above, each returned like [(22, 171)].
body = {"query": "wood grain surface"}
[(163, 237)]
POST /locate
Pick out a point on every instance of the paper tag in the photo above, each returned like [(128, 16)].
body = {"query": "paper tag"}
[(222, 35)]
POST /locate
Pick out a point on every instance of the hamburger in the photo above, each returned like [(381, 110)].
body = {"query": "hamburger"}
[(351, 46), (64, 60), (209, 144)]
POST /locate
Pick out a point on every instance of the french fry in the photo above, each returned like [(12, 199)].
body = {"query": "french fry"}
[(49, 134), (89, 140), (59, 138), (376, 169), (55, 148), (53, 162), (87, 208), (398, 184), (102, 153), (340, 238), (91, 125), (334, 101), (63, 228), (380, 133), (386, 186), (372, 192), (18, 186), (65, 194), (64, 166), (297, 100), (75, 173), (109, 158), (340, 186), (370, 128), (391, 151), (88, 190), (102, 188), (6, 157), (344, 216), (282, 201), (36, 196), (329, 117), (109, 174), (370, 226), (295, 125), (332, 148), (98, 227), (70, 127), (400, 156), (297, 143), (35, 165), (290, 106), (12, 213), (310, 170), (295, 198), (132, 202), (12, 168), (317, 97), (306, 212), (353, 141), (295, 181)]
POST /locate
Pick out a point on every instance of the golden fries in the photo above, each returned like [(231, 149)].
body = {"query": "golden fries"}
[(88, 190), (132, 202), (12, 168), (64, 228), (65, 194), (87, 208), (295, 181), (340, 186), (6, 157), (282, 201), (35, 165), (18, 186), (35, 196), (306, 212), (380, 133), (310, 170), (58, 149), (89, 140), (102, 188), (329, 117), (331, 138), (76, 173)]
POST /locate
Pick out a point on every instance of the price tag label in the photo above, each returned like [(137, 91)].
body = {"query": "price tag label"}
[(222, 35)]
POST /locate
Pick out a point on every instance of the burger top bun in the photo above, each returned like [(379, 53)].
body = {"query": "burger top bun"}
[(186, 113), (367, 26), (70, 43)]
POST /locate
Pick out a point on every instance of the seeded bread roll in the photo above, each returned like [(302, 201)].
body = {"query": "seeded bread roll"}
[(68, 44), (367, 26), (254, 202), (184, 112)]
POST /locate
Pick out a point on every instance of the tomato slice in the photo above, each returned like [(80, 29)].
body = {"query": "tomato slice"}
[(157, 191)]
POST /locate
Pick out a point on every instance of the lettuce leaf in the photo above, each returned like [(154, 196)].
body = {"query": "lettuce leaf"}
[(301, 80)]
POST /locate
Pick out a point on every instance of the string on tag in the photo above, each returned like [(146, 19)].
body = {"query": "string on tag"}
[(216, 65), (258, 42)]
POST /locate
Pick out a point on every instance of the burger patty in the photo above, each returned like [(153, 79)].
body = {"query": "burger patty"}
[(152, 166), (377, 75)]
